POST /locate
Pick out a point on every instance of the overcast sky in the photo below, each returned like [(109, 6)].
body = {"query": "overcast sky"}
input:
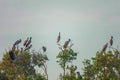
[(89, 23)]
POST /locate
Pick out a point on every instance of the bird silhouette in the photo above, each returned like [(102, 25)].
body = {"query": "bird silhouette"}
[(28, 47), (66, 43), (44, 49), (21, 51), (29, 41), (12, 55), (58, 38), (104, 47), (17, 42), (26, 41), (111, 41)]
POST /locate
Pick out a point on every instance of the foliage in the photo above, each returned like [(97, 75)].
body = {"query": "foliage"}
[(23, 67), (105, 66), (66, 56), (40, 59), (19, 64)]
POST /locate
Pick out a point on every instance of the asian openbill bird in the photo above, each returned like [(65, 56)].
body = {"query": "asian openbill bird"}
[(111, 41), (58, 38), (28, 47), (66, 43), (29, 41), (26, 41), (44, 49), (17, 42), (12, 55), (104, 47)]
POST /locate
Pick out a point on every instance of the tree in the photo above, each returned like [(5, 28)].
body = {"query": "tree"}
[(22, 65), (104, 66), (40, 59), (65, 57)]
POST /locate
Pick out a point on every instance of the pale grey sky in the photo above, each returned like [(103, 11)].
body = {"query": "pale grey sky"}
[(89, 23)]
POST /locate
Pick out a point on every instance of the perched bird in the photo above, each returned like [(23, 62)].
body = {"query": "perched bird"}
[(21, 51), (79, 77), (111, 41), (66, 43), (12, 55), (28, 47), (75, 67), (58, 38), (44, 49), (104, 47), (26, 41), (17, 42), (29, 41)]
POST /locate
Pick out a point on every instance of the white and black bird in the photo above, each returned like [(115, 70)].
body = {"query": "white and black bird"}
[(105, 47), (21, 51), (28, 47), (12, 55), (66, 43), (58, 38), (29, 41), (17, 42), (26, 41), (44, 49), (111, 41)]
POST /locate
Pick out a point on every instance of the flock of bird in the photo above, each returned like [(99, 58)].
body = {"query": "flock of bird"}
[(65, 46), (27, 45), (66, 42), (106, 45)]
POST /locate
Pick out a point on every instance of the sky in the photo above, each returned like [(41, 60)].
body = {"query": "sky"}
[(88, 23)]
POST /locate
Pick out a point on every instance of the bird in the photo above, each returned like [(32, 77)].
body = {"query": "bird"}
[(104, 47), (29, 41), (66, 43), (111, 41), (58, 38), (12, 55), (21, 51), (17, 42), (75, 67), (28, 47), (44, 49), (25, 42), (79, 77)]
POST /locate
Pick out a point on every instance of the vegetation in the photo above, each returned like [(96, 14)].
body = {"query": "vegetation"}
[(65, 57), (19, 63)]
